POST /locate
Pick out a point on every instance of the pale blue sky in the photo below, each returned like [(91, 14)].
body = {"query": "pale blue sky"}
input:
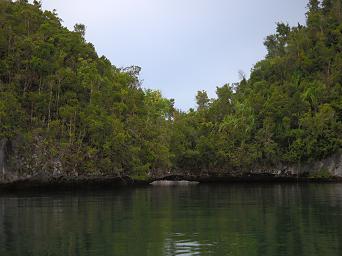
[(182, 45)]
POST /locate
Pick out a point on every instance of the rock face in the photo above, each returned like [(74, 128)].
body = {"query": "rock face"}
[(328, 167), (7, 173), (21, 165), (3, 143), (5, 151), (331, 165)]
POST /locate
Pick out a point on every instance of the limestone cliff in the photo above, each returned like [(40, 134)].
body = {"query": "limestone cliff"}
[(25, 164)]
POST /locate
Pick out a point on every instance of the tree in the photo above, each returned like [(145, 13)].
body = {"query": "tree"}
[(202, 100), (80, 28)]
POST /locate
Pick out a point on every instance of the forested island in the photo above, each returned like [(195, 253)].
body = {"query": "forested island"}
[(67, 112)]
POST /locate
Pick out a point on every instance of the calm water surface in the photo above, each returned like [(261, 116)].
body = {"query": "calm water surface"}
[(231, 219)]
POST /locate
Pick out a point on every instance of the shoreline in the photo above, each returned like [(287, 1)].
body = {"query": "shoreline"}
[(111, 182)]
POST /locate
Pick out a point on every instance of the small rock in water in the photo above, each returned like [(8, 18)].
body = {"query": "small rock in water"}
[(173, 183)]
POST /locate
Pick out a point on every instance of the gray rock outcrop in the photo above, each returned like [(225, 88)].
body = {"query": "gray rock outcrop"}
[(3, 152)]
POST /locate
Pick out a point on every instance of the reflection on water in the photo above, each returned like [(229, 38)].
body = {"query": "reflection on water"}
[(232, 219), (179, 244)]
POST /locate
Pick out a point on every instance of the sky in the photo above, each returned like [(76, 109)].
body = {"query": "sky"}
[(182, 46)]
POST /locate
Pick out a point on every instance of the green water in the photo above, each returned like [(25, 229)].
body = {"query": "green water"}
[(255, 219)]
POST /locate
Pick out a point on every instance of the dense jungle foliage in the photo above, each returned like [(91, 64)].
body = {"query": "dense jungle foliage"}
[(58, 95)]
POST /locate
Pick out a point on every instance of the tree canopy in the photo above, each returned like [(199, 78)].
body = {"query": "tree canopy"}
[(75, 106), (288, 111)]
